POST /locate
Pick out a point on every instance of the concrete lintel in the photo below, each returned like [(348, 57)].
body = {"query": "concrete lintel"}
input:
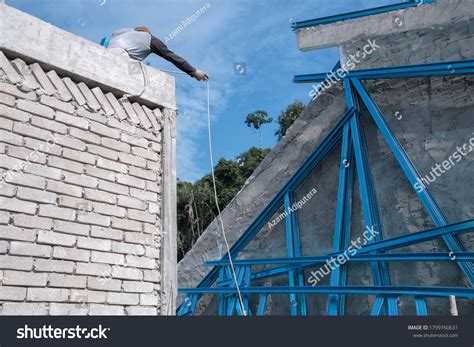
[(33, 40), (413, 18)]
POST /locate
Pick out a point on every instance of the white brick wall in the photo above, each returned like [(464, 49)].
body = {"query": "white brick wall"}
[(79, 198)]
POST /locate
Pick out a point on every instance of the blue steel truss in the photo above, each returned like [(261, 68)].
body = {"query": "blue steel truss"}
[(354, 159)]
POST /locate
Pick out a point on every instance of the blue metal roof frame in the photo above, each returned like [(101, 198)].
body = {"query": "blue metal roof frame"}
[(348, 130)]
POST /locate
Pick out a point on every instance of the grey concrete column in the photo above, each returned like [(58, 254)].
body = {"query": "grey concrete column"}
[(169, 242)]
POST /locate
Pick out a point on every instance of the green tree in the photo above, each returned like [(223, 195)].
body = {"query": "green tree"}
[(195, 202), (256, 120), (248, 161), (288, 117)]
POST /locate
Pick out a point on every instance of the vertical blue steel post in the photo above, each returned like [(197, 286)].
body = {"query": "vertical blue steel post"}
[(297, 253), (336, 303), (291, 252), (421, 307), (221, 297), (261, 305)]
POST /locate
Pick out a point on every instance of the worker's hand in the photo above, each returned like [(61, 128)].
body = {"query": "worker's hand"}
[(201, 75)]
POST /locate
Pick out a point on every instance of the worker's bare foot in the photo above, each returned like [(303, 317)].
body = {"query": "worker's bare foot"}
[(201, 75)]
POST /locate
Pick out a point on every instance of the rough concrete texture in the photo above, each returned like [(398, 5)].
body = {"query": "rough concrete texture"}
[(430, 116), (24, 36), (82, 204), (428, 15), (439, 43)]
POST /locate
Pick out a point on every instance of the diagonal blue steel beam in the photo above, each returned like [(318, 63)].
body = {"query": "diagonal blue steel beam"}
[(357, 14), (413, 176)]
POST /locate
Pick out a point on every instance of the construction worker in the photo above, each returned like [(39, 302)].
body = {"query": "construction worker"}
[(138, 43)]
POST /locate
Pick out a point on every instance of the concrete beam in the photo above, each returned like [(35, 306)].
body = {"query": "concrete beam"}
[(34, 40), (413, 18)]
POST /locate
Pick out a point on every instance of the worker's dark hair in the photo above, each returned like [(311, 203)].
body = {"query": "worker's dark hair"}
[(143, 28)]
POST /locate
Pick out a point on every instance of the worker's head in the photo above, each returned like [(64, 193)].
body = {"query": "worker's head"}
[(143, 29)]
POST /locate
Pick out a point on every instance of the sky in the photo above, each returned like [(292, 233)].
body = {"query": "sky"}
[(253, 33)]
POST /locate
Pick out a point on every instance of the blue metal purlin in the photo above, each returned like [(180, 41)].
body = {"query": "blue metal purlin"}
[(353, 290), (357, 14), (371, 257), (384, 245), (464, 67), (428, 201)]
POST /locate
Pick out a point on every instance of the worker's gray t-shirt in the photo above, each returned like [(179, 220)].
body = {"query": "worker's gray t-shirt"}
[(135, 43), (138, 45)]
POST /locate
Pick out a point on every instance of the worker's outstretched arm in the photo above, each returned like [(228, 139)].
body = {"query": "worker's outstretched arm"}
[(158, 47)]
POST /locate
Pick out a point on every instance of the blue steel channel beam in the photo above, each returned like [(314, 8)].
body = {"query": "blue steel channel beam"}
[(310, 261), (320, 77), (261, 304), (356, 14), (221, 309), (454, 68), (421, 307), (385, 245), (413, 176), (352, 290), (336, 303), (326, 145)]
